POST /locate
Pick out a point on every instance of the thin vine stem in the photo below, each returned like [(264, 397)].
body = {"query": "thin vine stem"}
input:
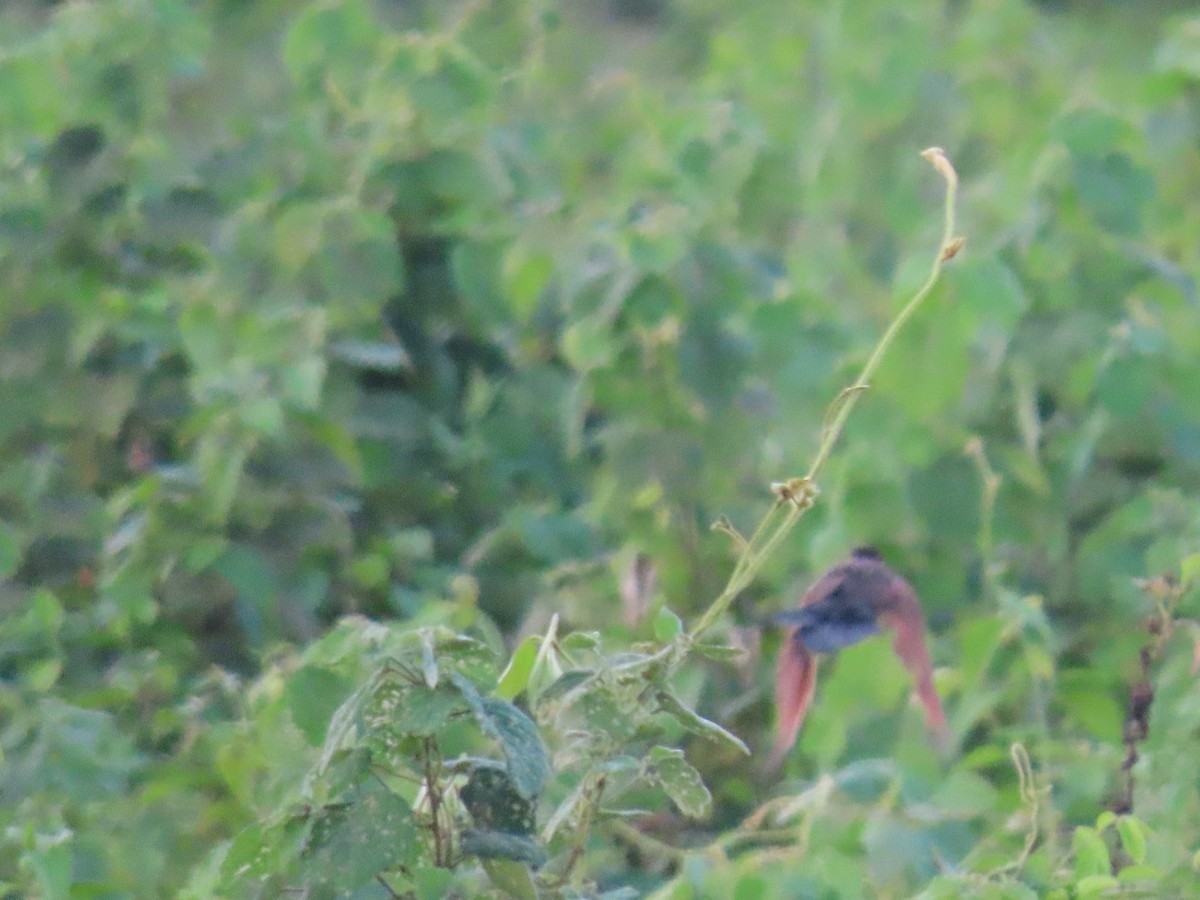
[(797, 495)]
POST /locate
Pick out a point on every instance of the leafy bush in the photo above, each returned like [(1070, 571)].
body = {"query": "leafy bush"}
[(363, 352)]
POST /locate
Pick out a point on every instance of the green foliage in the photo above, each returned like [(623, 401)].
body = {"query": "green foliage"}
[(372, 372)]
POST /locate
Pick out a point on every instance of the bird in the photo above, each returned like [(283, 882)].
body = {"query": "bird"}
[(852, 601)]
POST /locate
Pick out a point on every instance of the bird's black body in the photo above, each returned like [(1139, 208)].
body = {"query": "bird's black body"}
[(846, 610), (851, 602), (839, 620)]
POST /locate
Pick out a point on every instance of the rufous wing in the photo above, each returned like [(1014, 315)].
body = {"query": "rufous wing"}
[(795, 682)]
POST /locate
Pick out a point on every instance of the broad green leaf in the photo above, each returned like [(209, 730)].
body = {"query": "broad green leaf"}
[(526, 275), (359, 260), (500, 845), (334, 38), (666, 767), (203, 336), (581, 641), (262, 415), (347, 718), (1126, 384), (351, 842), (1095, 886), (1133, 837), (612, 715), (667, 625), (1189, 569), (1091, 854), (1115, 190), (431, 883), (1179, 51), (260, 851), (565, 684), (313, 694), (398, 708), (459, 84), (965, 794), (988, 295), (515, 677), (511, 876), (52, 861), (980, 640), (720, 653), (516, 733), (247, 569), (1091, 132), (697, 724), (589, 344), (567, 808), (1139, 872)]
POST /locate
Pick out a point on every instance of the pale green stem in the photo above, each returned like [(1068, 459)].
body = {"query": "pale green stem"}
[(800, 494)]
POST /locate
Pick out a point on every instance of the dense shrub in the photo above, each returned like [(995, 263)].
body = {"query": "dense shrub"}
[(360, 356)]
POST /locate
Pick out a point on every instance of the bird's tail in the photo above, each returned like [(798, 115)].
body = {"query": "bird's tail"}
[(795, 681)]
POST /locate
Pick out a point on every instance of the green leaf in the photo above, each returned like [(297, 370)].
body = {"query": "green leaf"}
[(470, 658), (525, 276), (1114, 190), (588, 343), (1095, 886), (1133, 837), (1189, 569), (566, 683), (246, 568), (51, 861), (567, 808), (512, 877), (720, 652), (667, 625), (431, 882), (517, 734), (988, 294), (359, 260), (612, 715), (337, 39), (1138, 872), (501, 845), (262, 850), (459, 84), (1179, 52), (515, 677), (1125, 386), (399, 708), (313, 694), (581, 642), (697, 724), (965, 794), (1091, 132), (667, 768), (353, 841), (1091, 853)]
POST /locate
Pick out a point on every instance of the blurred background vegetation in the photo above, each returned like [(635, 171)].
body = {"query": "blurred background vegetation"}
[(472, 313)]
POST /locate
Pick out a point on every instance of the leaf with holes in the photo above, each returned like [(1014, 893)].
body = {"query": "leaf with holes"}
[(666, 767)]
